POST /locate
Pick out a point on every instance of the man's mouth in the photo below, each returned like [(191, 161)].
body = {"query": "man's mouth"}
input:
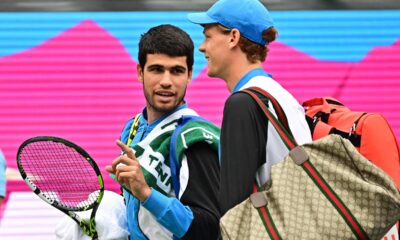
[(165, 94)]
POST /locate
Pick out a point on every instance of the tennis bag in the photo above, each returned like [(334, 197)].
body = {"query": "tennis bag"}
[(321, 190), (370, 133)]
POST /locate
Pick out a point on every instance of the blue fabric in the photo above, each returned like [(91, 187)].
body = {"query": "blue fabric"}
[(173, 158), (2, 175), (250, 17), (144, 129), (246, 78), (173, 161), (149, 127), (169, 212), (173, 211)]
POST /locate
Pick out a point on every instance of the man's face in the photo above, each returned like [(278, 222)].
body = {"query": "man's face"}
[(164, 79), (216, 49)]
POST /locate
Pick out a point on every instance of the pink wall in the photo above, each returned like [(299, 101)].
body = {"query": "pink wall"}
[(83, 87)]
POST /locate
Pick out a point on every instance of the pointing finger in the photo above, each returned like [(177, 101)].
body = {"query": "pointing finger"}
[(126, 149)]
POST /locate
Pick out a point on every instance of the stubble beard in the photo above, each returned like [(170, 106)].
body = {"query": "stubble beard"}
[(162, 109)]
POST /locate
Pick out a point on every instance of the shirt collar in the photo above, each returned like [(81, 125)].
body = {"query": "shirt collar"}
[(249, 75)]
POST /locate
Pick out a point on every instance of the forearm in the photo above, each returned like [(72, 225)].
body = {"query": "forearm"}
[(201, 193), (205, 225), (183, 221), (169, 212), (196, 214)]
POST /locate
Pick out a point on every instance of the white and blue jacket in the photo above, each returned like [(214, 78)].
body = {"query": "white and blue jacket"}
[(170, 217)]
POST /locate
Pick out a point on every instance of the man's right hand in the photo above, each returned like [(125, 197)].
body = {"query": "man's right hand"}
[(129, 173)]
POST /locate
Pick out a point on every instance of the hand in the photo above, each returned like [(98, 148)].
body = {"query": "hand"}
[(129, 173)]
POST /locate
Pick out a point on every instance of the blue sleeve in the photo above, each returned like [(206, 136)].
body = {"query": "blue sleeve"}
[(169, 212), (2, 175)]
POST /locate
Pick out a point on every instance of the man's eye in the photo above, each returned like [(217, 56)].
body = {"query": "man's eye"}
[(156, 69), (177, 71)]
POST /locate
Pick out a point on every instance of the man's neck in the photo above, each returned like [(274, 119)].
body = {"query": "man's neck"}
[(153, 115), (237, 71)]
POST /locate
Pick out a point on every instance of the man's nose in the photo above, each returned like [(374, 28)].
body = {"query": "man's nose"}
[(202, 47), (166, 80)]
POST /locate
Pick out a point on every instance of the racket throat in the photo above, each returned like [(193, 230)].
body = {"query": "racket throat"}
[(89, 228)]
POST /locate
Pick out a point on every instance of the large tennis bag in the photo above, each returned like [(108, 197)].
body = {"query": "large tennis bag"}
[(322, 190), (370, 133)]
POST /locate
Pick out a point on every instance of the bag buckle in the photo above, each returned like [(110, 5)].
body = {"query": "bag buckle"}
[(299, 155), (352, 130), (258, 199)]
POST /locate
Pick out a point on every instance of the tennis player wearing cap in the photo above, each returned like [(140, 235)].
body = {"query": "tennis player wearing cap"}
[(237, 33)]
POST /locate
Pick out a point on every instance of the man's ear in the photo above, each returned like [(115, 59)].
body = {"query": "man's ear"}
[(139, 71), (190, 76), (234, 38)]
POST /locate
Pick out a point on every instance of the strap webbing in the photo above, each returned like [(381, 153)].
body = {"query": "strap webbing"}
[(134, 128), (278, 108), (267, 219)]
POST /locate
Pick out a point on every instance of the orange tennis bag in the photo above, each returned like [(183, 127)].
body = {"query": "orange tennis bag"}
[(370, 133)]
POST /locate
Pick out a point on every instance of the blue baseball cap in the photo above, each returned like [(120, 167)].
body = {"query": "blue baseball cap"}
[(250, 17)]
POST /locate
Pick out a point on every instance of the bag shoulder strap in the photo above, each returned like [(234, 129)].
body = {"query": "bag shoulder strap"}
[(131, 136), (134, 128), (290, 143), (321, 108), (320, 101), (266, 97), (282, 128), (210, 134), (173, 159)]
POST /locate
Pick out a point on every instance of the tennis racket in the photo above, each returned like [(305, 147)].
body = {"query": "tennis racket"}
[(64, 175)]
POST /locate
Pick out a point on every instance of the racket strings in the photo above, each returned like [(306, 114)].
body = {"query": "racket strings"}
[(61, 173)]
